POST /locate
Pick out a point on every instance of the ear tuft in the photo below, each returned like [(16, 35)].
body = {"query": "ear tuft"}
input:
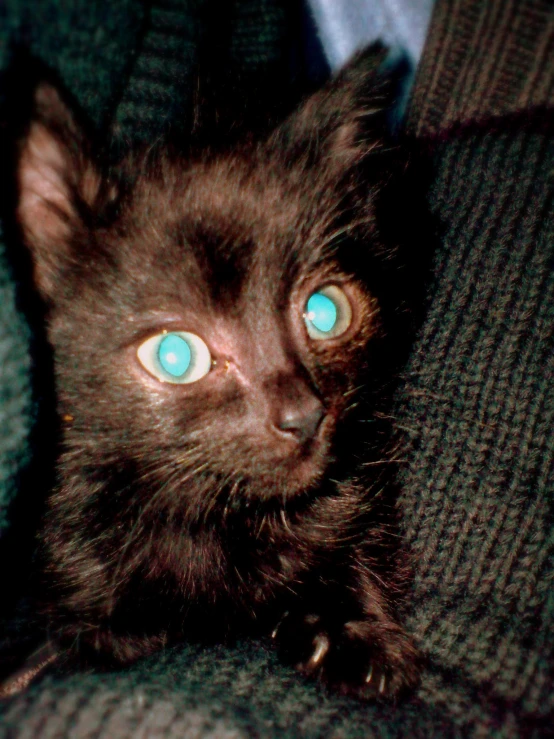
[(344, 121), (56, 182), (45, 206)]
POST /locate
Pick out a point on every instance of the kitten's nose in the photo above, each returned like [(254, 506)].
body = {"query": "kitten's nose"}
[(299, 418)]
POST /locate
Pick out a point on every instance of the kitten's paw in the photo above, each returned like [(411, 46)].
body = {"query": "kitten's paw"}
[(362, 658)]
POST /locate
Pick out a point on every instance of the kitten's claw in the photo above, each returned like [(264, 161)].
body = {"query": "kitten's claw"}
[(382, 689), (276, 629), (322, 645), (355, 658), (369, 674)]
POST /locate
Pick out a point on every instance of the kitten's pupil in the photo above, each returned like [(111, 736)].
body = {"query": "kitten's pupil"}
[(174, 355), (322, 312), (177, 357), (328, 313)]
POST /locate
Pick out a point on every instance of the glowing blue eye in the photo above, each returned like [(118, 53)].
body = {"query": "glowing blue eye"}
[(321, 312), (174, 354), (328, 313), (178, 357)]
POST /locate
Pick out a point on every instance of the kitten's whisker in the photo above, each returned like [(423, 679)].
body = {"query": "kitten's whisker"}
[(285, 521), (213, 495), (351, 407), (353, 391), (262, 525), (337, 234), (381, 462)]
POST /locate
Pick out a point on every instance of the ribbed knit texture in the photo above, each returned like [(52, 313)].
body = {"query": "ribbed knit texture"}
[(483, 59), (179, 37), (16, 405), (161, 81), (90, 44), (477, 407), (193, 693)]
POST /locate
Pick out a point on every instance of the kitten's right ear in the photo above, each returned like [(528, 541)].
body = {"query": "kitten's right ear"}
[(57, 183), (343, 122)]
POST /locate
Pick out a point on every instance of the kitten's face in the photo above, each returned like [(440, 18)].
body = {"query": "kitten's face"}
[(216, 275), (213, 321)]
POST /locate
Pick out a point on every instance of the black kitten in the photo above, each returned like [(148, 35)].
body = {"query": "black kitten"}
[(225, 327)]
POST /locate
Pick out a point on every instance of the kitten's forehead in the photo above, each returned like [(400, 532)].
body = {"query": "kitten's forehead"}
[(231, 228)]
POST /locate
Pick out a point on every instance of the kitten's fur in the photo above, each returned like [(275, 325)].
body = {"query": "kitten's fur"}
[(260, 497)]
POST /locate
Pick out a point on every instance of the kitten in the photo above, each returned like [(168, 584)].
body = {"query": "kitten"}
[(225, 326)]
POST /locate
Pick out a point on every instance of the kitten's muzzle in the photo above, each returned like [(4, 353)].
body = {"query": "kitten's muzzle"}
[(300, 421)]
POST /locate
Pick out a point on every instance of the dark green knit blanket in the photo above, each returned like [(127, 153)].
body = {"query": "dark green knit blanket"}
[(476, 406)]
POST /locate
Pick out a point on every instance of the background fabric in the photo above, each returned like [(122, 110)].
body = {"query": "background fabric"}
[(477, 402), (345, 26)]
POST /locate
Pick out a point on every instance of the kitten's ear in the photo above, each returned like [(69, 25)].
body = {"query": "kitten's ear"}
[(345, 120), (57, 184)]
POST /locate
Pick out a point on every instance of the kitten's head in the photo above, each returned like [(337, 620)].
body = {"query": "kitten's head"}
[(213, 317)]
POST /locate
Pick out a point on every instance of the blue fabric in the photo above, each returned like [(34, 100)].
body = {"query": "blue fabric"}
[(345, 26)]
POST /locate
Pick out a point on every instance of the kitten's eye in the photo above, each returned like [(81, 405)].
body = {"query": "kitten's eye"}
[(177, 357), (328, 313)]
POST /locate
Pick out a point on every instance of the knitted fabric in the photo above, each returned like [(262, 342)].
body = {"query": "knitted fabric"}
[(483, 59), (251, 37), (345, 26), (160, 80), (16, 406), (221, 692), (477, 407)]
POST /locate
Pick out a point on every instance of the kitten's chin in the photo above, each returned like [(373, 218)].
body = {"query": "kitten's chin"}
[(300, 476)]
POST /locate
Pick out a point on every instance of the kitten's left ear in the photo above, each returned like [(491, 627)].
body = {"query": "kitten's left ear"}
[(57, 184), (344, 121)]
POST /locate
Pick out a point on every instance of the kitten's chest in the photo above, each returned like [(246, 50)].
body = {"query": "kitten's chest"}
[(245, 570)]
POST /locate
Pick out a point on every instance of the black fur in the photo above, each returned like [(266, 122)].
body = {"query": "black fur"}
[(218, 507)]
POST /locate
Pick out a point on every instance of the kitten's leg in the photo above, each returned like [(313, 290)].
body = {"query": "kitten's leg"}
[(101, 646), (352, 642), (32, 667)]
